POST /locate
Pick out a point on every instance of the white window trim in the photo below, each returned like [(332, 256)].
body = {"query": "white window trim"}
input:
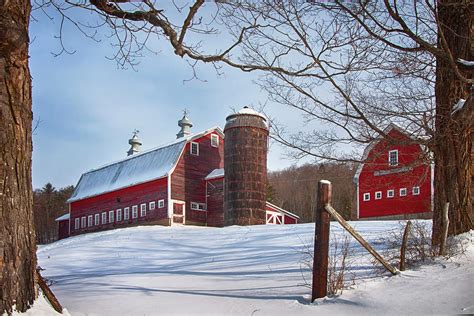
[(198, 206), (389, 162), (111, 216), (379, 193), (416, 191), (214, 140), (403, 190), (77, 223), (126, 213), (96, 219), (143, 210), (119, 215), (390, 193), (135, 211), (366, 197), (83, 222), (152, 205), (161, 203), (89, 221), (104, 218), (191, 148)]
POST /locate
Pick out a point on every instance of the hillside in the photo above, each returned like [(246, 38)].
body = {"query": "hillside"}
[(253, 270)]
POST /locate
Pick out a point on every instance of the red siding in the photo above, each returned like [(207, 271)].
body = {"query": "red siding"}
[(187, 180), (63, 229), (409, 155), (135, 195), (215, 202)]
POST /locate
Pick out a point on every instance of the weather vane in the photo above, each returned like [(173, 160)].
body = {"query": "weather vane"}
[(135, 132), (185, 112)]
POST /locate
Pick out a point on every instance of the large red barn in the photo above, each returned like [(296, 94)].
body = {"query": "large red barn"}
[(394, 181), (171, 184)]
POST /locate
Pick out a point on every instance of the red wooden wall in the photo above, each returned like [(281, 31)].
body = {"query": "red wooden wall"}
[(119, 199), (187, 180), (409, 156), (215, 202)]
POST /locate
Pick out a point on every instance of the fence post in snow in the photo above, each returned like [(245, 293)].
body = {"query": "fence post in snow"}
[(321, 241)]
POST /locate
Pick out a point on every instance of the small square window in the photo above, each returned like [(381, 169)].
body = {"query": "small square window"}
[(126, 213), (151, 205), (104, 218), (393, 157), (161, 203), (89, 221), (390, 193), (111, 216), (403, 192), (119, 215), (416, 190), (214, 140), (96, 219), (378, 195), (76, 224), (135, 211), (194, 149), (366, 197), (83, 222)]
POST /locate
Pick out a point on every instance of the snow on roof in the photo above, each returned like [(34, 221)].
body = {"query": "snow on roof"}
[(135, 169), (62, 217), (249, 111), (216, 173)]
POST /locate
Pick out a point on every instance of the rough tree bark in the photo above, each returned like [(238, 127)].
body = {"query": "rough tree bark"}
[(454, 133), (17, 234)]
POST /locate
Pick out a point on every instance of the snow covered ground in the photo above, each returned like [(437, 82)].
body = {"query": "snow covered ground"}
[(253, 270)]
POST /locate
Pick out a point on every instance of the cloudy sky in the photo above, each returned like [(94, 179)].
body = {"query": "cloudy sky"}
[(87, 107)]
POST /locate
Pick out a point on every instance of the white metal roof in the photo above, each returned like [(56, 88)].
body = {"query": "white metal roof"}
[(216, 173), (139, 168), (62, 217)]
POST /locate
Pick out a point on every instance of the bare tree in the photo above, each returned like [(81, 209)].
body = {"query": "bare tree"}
[(349, 67)]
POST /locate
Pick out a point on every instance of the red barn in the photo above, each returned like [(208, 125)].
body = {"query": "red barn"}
[(168, 185), (394, 181)]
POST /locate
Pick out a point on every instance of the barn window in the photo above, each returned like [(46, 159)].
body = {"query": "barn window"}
[(198, 206), (89, 221), (76, 223), (403, 192), (366, 196), (119, 215), (96, 219), (135, 211), (83, 222), (152, 205), (111, 216), (390, 193), (214, 140), (161, 203), (194, 149), (104, 218), (126, 213), (378, 195), (393, 157), (143, 210), (416, 190)]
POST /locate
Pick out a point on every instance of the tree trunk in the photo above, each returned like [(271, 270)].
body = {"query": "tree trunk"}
[(17, 234), (454, 133)]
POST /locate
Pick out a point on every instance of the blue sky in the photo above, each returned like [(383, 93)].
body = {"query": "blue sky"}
[(87, 108)]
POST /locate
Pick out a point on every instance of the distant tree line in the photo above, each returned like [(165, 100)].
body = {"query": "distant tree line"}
[(49, 204), (294, 188)]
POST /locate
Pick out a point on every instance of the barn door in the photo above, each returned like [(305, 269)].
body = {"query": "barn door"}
[(178, 212)]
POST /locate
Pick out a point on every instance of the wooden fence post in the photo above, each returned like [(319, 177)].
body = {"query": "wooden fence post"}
[(321, 241), (404, 246)]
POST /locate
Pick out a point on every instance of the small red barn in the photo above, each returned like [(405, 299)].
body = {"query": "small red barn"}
[(63, 226), (394, 181)]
